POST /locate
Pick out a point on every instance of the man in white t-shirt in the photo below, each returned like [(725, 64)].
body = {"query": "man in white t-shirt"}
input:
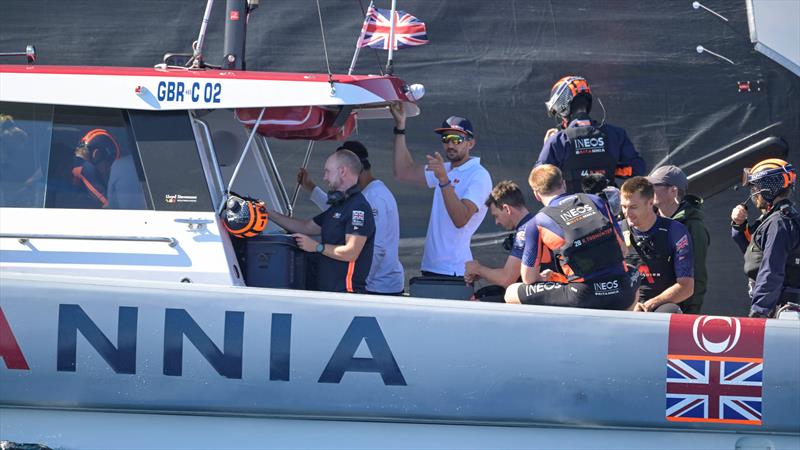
[(386, 275), (462, 186)]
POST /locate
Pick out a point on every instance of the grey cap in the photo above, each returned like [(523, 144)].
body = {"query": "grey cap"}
[(671, 175)]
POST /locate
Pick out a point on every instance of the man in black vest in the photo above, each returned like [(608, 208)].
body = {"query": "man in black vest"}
[(659, 247), (772, 251), (588, 248), (583, 146), (347, 228)]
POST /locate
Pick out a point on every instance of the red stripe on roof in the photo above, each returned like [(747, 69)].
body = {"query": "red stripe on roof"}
[(204, 74)]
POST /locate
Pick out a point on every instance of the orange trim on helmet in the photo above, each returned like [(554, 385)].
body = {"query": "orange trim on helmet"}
[(89, 137)]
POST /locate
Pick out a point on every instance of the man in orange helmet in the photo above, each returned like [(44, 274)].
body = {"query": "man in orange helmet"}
[(771, 245), (583, 146)]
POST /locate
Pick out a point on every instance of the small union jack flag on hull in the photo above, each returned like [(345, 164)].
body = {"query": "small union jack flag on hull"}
[(715, 370), (408, 30)]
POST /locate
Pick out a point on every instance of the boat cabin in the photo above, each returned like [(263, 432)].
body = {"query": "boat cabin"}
[(165, 143)]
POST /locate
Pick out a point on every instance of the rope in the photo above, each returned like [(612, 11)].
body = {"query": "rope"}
[(324, 44), (374, 51)]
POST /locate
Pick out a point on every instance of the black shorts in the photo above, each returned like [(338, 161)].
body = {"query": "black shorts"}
[(611, 293)]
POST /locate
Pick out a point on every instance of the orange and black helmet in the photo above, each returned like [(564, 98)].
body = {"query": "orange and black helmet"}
[(772, 177), (244, 217), (564, 92), (100, 145)]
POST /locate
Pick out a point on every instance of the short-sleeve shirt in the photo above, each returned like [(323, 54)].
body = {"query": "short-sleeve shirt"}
[(352, 216), (386, 276), (542, 228), (447, 246), (518, 246)]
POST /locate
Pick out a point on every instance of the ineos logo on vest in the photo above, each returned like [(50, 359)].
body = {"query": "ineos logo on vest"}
[(590, 142), (702, 326), (576, 214)]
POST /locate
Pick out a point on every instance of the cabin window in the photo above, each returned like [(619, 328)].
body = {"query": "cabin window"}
[(171, 161), (25, 131), (94, 162)]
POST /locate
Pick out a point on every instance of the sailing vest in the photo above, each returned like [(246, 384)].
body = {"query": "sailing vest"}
[(754, 254), (587, 154), (590, 241), (652, 256)]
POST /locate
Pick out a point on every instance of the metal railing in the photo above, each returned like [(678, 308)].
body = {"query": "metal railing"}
[(24, 238)]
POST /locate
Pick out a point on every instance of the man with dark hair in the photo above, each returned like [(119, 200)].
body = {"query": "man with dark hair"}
[(585, 239), (347, 228), (583, 147), (507, 205), (659, 247), (672, 201), (460, 187), (386, 276)]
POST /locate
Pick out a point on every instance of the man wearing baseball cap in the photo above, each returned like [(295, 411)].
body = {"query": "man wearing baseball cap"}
[(670, 185), (461, 187), (386, 276)]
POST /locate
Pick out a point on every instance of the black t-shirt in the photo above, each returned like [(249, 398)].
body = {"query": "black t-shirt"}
[(352, 216)]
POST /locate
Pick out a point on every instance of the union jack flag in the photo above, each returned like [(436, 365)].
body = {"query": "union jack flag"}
[(714, 390), (408, 30)]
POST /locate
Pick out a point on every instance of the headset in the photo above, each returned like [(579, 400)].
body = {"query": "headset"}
[(339, 197)]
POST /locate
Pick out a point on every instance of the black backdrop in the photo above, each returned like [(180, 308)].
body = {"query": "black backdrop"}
[(493, 62)]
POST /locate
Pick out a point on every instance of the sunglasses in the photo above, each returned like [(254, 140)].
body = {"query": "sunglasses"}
[(453, 138)]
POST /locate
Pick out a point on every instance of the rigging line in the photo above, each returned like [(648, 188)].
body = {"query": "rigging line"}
[(324, 45), (374, 50)]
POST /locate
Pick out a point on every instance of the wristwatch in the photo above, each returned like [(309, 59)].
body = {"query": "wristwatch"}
[(399, 131), (320, 247)]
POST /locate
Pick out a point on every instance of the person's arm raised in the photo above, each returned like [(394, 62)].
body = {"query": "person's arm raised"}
[(405, 169)]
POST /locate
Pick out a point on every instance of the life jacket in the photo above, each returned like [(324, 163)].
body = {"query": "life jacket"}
[(652, 256), (587, 153), (754, 254), (590, 241)]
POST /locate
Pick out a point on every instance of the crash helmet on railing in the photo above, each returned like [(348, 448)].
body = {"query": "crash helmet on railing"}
[(244, 217), (99, 146), (770, 178), (564, 92)]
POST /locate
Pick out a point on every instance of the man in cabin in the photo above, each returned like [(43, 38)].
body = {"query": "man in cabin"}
[(771, 245), (669, 186), (584, 146), (660, 248), (386, 275), (585, 238), (507, 205), (460, 185), (91, 166), (347, 228)]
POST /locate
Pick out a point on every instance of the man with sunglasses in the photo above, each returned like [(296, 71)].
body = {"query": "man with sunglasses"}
[(461, 186), (771, 245), (659, 247)]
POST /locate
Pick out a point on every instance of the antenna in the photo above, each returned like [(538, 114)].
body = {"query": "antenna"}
[(29, 54), (698, 5), (701, 49)]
